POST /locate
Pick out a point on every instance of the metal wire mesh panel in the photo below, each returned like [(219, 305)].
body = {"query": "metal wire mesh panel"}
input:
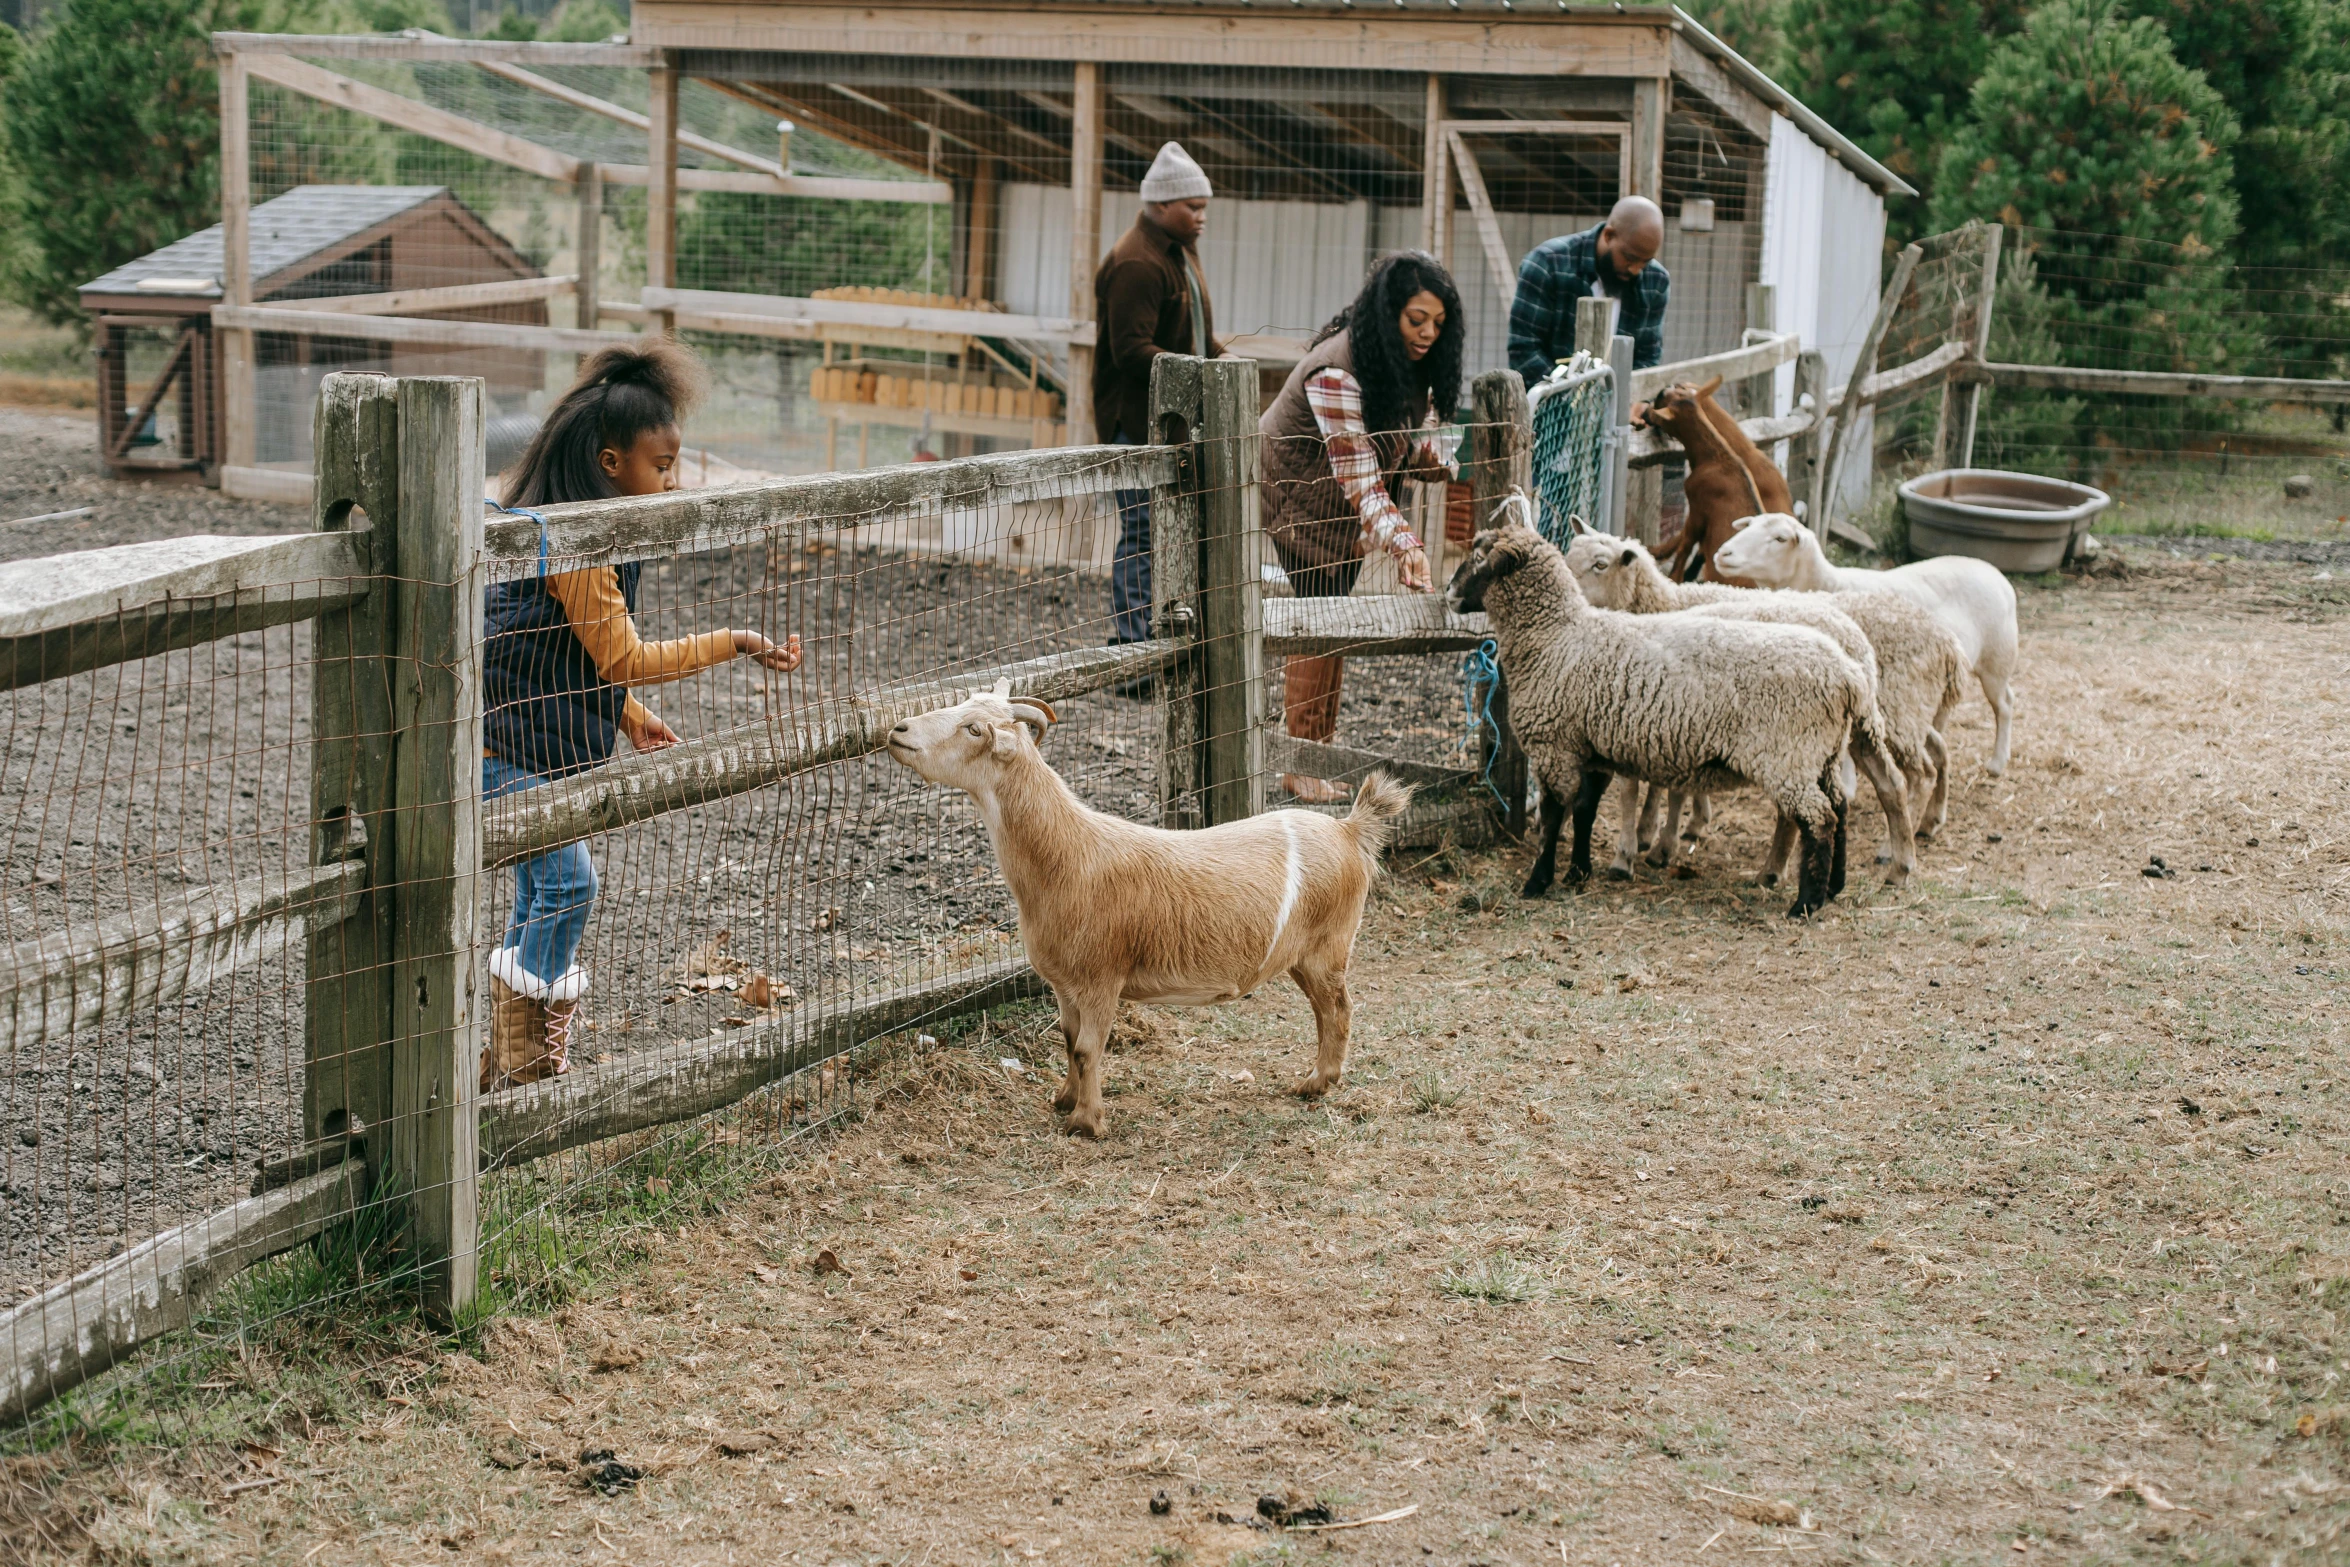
[(1570, 446)]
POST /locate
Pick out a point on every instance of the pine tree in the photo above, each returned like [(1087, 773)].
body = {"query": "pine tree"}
[(114, 129), (1894, 75)]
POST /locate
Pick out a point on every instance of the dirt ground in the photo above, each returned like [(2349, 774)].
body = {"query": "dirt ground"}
[(2000, 1217)]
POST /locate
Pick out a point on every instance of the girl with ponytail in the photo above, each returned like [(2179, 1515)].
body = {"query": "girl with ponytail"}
[(560, 660)]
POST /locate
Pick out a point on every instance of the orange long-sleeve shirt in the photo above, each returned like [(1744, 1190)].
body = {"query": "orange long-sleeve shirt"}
[(600, 619)]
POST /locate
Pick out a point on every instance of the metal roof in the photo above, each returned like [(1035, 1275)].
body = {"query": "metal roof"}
[(287, 231)]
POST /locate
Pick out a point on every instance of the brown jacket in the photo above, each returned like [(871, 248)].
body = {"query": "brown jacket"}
[(1143, 306), (1313, 527)]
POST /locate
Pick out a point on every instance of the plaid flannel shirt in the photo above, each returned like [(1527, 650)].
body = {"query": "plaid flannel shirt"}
[(1558, 272), (1337, 401)]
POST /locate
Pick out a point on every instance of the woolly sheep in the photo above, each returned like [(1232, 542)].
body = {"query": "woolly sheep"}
[(1971, 597), (1114, 910), (1685, 701), (1918, 662)]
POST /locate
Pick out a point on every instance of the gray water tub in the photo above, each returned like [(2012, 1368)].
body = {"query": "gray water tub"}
[(2018, 522)]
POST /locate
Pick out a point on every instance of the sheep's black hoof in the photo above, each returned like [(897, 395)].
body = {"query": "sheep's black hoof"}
[(1803, 909), (1536, 884), (1577, 875), (1618, 873)]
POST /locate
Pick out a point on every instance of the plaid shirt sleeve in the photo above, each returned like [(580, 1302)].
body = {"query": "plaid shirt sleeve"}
[(1337, 402), (1546, 294), (1645, 308)]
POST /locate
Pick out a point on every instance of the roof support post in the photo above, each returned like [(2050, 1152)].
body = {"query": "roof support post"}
[(589, 246), (661, 219), (1436, 180), (1652, 100), (1085, 244), (236, 261)]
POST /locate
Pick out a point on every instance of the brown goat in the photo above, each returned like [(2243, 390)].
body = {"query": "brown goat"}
[(1729, 477)]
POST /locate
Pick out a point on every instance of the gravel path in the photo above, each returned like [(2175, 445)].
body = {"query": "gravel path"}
[(146, 784)]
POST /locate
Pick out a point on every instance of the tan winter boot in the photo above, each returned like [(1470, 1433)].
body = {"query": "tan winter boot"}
[(518, 1035)]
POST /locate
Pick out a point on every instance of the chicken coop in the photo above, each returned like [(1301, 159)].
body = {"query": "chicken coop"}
[(332, 251), (880, 222)]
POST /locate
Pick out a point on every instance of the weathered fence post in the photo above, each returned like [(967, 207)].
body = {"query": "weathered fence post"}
[(1231, 593), (346, 1078), (436, 835), (1758, 394), (1970, 393), (1622, 518), (1175, 387), (1501, 458), (1803, 451)]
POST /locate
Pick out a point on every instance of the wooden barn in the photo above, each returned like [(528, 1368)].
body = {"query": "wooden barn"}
[(1332, 131), (347, 249)]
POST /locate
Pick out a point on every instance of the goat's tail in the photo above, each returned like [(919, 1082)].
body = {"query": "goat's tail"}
[(1378, 803)]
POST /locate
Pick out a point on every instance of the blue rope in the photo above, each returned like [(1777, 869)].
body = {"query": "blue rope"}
[(524, 511), (1480, 676)]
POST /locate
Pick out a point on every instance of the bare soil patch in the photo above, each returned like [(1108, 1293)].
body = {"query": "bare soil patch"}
[(2002, 1217)]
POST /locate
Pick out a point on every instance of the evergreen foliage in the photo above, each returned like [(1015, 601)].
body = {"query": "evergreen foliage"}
[(796, 245)]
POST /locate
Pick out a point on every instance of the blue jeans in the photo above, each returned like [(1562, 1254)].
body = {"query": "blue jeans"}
[(1130, 568), (553, 892)]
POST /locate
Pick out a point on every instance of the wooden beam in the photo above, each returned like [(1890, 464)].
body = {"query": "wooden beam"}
[(1805, 447), (1411, 623), (424, 46), (1758, 393), (1652, 101), (1613, 130), (1175, 576), (680, 522), (1497, 255), (1341, 764), (239, 414), (1694, 69), (628, 117), (680, 1082), (1436, 179), (1924, 370), (661, 202), (1085, 244), (1848, 406), (814, 117), (2164, 383), (785, 330), (72, 1331), (409, 329), (1583, 43), (150, 957), (1652, 446), (1078, 330), (436, 954), (1734, 364), (979, 243), (410, 115), (67, 614), (588, 245), (751, 756), (424, 301), (817, 187)]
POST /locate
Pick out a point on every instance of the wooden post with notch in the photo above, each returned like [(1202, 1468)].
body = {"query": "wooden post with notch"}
[(1970, 393), (1502, 459), (346, 1073), (1624, 493), (1231, 594), (1803, 451), (436, 984), (1175, 608)]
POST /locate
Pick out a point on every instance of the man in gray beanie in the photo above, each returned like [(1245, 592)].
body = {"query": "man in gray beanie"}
[(1149, 300)]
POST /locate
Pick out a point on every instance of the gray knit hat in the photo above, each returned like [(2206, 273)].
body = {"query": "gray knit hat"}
[(1174, 177)]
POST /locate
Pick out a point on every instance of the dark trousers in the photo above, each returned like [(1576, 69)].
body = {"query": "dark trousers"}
[(1130, 567)]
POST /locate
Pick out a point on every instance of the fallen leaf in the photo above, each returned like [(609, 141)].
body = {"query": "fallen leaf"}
[(2145, 1491), (826, 1262), (1780, 1515), (969, 1274), (825, 920), (657, 1187), (767, 1275), (738, 1444), (708, 962), (760, 992)]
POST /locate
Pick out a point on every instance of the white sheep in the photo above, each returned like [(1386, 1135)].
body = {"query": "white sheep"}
[(1113, 910), (1917, 662), (1690, 702), (1973, 598)]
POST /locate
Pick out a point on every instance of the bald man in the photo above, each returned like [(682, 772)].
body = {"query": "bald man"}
[(1615, 259)]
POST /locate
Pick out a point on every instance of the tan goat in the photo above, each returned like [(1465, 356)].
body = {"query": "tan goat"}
[(1112, 910)]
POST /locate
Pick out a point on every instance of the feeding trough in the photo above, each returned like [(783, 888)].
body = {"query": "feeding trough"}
[(2016, 521)]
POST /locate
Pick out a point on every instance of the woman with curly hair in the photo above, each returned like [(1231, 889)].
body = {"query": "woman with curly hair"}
[(1342, 443)]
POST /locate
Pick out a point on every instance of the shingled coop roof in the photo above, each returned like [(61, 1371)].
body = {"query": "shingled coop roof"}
[(296, 236)]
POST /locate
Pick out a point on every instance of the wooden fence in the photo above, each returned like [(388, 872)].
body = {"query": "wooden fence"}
[(388, 909)]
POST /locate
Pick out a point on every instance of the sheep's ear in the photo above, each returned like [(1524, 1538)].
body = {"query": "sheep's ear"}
[(1577, 526), (1737, 523), (1003, 687), (1626, 558)]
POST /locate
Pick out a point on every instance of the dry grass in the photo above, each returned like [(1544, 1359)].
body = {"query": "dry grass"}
[(2000, 1218)]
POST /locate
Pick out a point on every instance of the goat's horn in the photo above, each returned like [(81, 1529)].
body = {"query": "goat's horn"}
[(1036, 715)]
